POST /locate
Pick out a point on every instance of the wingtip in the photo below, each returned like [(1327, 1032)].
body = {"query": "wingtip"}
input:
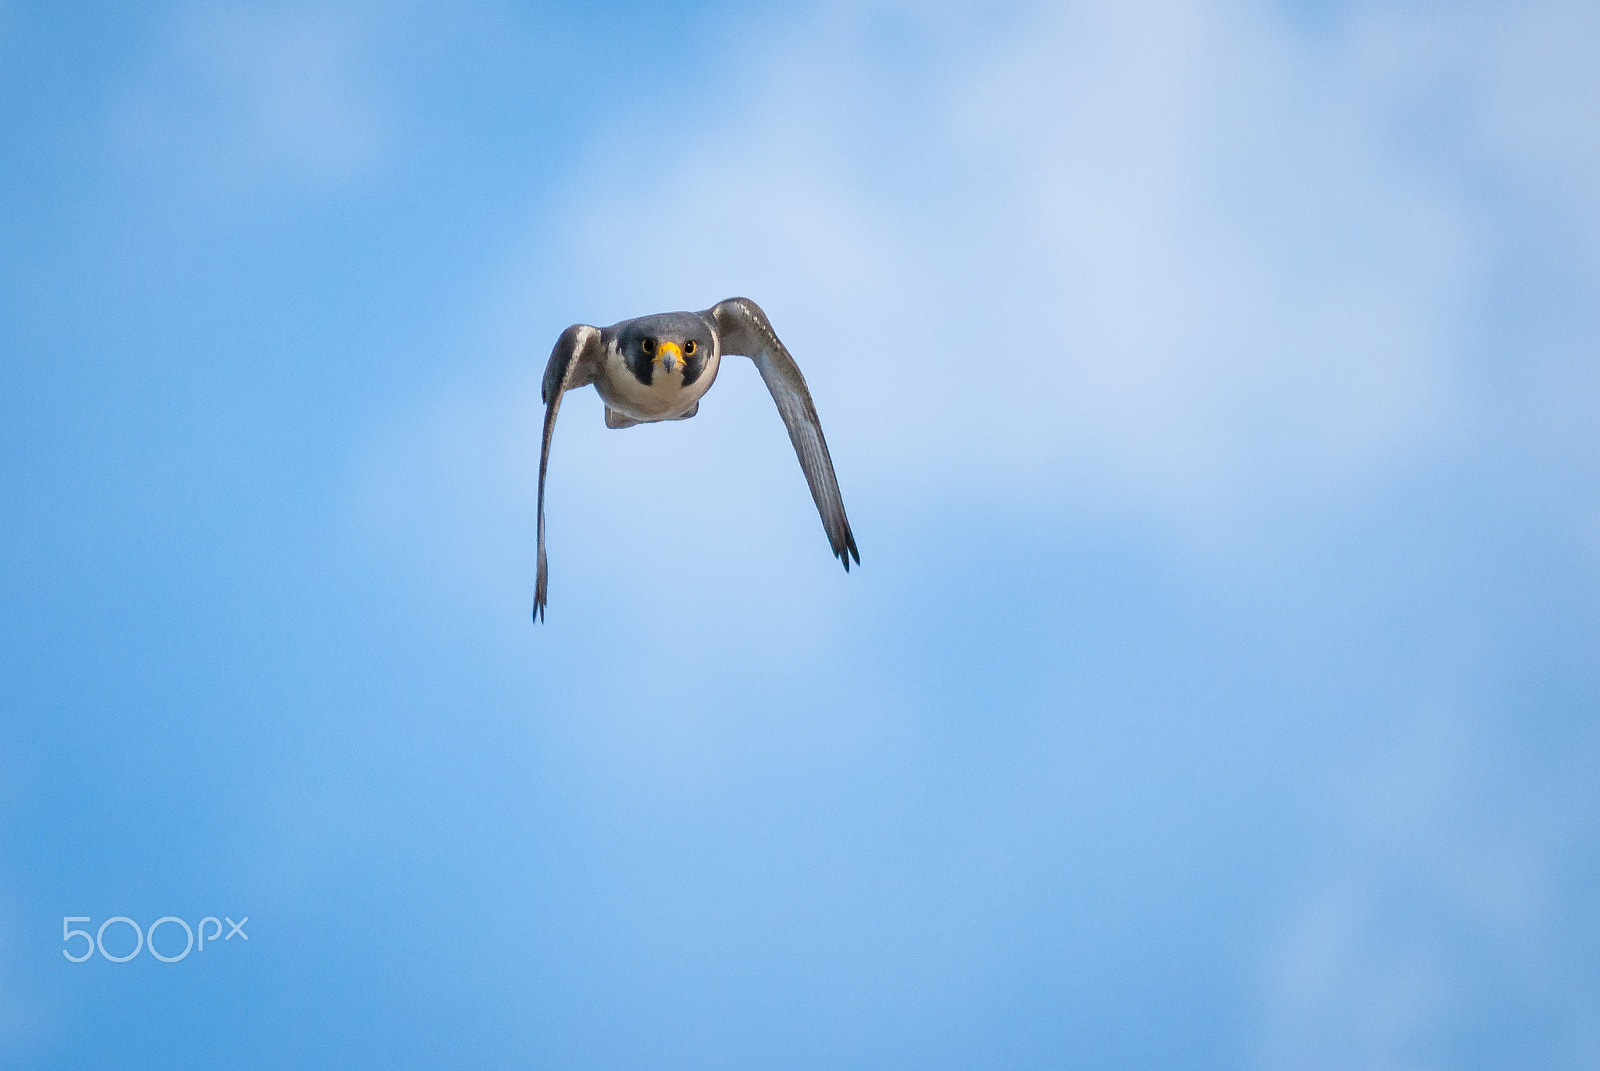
[(847, 552), (541, 589)]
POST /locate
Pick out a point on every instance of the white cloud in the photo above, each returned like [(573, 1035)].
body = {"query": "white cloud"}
[(1169, 253), (1181, 259)]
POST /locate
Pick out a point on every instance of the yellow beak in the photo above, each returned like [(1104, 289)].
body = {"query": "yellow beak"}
[(668, 355)]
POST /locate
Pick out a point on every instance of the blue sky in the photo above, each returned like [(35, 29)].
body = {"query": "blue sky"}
[(1212, 390)]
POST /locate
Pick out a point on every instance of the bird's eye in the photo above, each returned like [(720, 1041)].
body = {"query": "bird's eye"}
[(647, 344), (688, 348)]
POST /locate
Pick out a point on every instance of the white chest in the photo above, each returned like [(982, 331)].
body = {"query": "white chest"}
[(665, 397)]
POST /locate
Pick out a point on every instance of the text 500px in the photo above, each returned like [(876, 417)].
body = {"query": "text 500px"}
[(141, 939)]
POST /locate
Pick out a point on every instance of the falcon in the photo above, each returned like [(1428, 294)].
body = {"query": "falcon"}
[(658, 367)]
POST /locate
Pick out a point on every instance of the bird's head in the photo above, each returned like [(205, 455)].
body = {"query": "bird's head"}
[(674, 343)]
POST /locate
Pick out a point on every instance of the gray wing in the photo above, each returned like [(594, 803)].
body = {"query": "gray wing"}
[(572, 364), (743, 328)]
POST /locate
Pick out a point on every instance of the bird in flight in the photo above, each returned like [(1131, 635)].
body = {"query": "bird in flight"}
[(657, 368)]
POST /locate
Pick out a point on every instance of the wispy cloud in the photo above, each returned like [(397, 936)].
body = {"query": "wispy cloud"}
[(1439, 905), (1179, 260), (1189, 260), (1535, 83), (243, 96), (1181, 256)]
